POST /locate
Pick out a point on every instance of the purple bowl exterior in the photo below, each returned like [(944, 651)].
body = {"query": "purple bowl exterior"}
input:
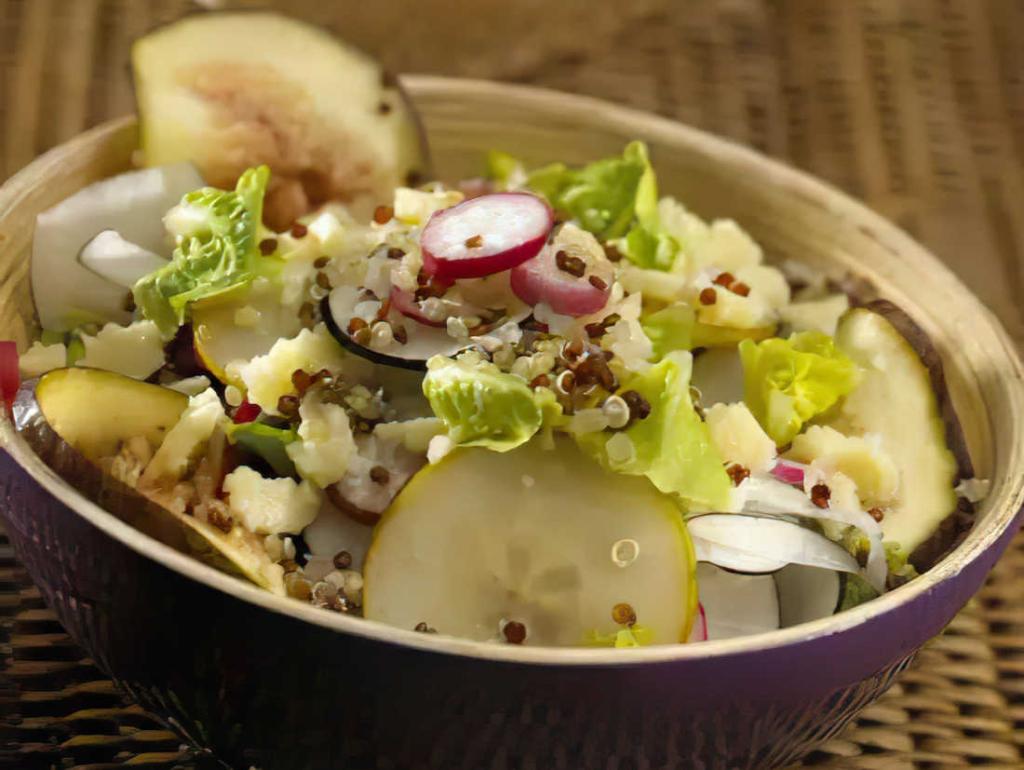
[(261, 688)]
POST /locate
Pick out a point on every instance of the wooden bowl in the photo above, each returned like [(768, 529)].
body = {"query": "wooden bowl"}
[(272, 682)]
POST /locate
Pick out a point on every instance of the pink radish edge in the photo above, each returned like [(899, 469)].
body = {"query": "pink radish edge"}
[(699, 632), (541, 280), (511, 228), (789, 472), (405, 303)]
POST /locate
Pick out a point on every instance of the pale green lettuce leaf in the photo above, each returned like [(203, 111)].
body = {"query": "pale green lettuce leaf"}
[(268, 442), (788, 382), (670, 328), (482, 405), (671, 446), (217, 250)]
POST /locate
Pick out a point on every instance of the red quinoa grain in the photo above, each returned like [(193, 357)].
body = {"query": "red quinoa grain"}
[(708, 296), (820, 495)]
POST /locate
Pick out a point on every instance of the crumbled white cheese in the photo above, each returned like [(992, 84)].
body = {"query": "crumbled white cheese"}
[(816, 315), (136, 350), (190, 386), (268, 377), (182, 442), (270, 506), (765, 283), (739, 438), (329, 232), (862, 458), (414, 207), (41, 358), (325, 446), (414, 435)]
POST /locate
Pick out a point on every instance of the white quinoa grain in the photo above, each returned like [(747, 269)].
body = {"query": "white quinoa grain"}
[(625, 552), (616, 410), (232, 395)]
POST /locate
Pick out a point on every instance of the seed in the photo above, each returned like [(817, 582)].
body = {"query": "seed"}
[(616, 410), (613, 254), (625, 552), (362, 336), (307, 315), (299, 230), (624, 614), (383, 214), (740, 288), (474, 242), (321, 262), (540, 381), (324, 376), (572, 350), (639, 407), (322, 593), (288, 405), (395, 253), (597, 283), (268, 246), (301, 381), (423, 628), (342, 560), (355, 324), (572, 265), (725, 279), (383, 108), (220, 520), (594, 369), (594, 330), (401, 336), (876, 513), (323, 281), (379, 474), (515, 632), (565, 382), (297, 586), (708, 296), (737, 473), (820, 495), (383, 310)]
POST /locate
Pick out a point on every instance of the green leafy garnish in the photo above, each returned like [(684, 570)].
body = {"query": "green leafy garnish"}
[(670, 328), (482, 405), (267, 442), (629, 636), (787, 382), (671, 446), (503, 168), (217, 250)]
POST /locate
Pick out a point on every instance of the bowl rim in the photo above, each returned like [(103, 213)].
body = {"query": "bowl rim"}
[(794, 181)]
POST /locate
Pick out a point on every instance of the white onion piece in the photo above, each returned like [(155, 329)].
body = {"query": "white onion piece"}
[(806, 594), (120, 261), (738, 541), (765, 495), (736, 605)]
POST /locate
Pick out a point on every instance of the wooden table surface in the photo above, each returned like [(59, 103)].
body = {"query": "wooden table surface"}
[(914, 106)]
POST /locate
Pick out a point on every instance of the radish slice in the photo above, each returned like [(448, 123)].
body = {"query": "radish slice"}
[(120, 261), (699, 632), (789, 472), (485, 235), (806, 594), (405, 303), (736, 605), (751, 543), (10, 378)]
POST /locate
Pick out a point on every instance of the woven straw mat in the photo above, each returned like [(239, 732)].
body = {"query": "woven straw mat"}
[(916, 107)]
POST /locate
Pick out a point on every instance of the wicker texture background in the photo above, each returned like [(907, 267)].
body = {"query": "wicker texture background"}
[(915, 106)]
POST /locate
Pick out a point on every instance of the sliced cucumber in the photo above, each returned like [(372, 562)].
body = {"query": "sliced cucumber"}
[(528, 536), (897, 402)]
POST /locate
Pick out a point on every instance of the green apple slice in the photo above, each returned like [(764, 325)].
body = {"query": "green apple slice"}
[(536, 536)]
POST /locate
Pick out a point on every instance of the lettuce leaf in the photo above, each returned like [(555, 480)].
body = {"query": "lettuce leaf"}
[(787, 382), (482, 405), (217, 250), (268, 442), (671, 446), (670, 328)]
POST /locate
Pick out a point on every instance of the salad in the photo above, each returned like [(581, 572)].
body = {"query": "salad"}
[(546, 406)]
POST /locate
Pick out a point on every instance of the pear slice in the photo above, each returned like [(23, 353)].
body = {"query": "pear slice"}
[(535, 536), (238, 89)]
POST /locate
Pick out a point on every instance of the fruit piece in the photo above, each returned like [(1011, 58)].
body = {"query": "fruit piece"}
[(234, 90), (750, 543), (185, 440), (736, 605), (117, 260), (65, 416), (898, 400), (10, 377), (483, 538), (240, 327), (485, 235), (571, 274), (66, 293)]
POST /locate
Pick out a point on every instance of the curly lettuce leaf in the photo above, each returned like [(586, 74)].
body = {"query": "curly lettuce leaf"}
[(671, 446), (217, 250), (670, 328), (482, 405), (788, 382)]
